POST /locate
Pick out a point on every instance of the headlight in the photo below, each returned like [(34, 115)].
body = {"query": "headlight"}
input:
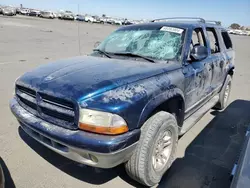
[(102, 122)]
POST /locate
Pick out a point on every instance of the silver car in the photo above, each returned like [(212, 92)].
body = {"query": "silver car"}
[(47, 14), (8, 11)]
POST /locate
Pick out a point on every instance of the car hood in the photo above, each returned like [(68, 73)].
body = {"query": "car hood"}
[(82, 77)]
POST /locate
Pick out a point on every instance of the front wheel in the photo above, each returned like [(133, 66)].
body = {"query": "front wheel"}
[(156, 149)]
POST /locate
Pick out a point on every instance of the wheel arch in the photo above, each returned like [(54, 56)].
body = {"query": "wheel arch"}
[(171, 101), (231, 71)]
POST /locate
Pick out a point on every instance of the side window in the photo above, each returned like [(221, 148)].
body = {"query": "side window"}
[(213, 39), (226, 39), (198, 38)]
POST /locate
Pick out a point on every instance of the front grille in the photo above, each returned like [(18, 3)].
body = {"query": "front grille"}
[(52, 109)]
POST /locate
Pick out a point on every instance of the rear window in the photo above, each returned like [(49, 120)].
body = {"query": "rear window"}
[(227, 40)]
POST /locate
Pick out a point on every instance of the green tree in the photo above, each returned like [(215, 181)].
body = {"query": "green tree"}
[(235, 26)]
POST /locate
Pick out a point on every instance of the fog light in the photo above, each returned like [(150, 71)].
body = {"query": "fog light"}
[(93, 158)]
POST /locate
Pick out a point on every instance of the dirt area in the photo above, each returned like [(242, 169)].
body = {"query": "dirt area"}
[(206, 153)]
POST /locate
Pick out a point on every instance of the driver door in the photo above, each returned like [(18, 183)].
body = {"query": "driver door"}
[(198, 75)]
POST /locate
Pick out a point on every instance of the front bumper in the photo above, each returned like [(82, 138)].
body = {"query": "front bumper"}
[(87, 148), (9, 13)]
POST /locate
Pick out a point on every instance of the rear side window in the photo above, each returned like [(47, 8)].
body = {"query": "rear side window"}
[(213, 38), (227, 40)]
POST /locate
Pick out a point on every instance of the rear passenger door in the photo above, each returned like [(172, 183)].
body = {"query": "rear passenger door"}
[(218, 58)]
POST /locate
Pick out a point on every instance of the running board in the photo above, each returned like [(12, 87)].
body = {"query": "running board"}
[(196, 116)]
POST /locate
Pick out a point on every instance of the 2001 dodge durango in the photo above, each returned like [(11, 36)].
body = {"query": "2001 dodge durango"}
[(130, 99)]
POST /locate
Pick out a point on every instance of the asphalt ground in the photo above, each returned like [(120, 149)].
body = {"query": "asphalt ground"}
[(206, 154)]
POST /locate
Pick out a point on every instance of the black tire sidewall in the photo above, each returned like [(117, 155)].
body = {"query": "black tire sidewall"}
[(155, 176), (222, 93), (166, 122), (2, 180)]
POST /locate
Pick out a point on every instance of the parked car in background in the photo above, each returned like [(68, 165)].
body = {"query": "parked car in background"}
[(1, 9), (89, 19), (103, 20), (59, 15), (67, 17), (47, 14), (244, 33), (118, 21), (80, 18), (18, 10), (240, 32), (127, 22), (35, 13), (97, 19), (230, 31), (24, 11), (110, 21), (9, 11)]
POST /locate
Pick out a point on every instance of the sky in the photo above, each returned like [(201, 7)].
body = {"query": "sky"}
[(227, 11)]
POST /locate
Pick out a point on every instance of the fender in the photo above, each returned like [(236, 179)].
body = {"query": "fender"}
[(158, 100)]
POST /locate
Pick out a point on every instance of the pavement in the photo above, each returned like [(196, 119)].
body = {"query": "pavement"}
[(205, 155)]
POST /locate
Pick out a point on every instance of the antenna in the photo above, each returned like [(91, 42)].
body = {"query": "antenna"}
[(78, 28)]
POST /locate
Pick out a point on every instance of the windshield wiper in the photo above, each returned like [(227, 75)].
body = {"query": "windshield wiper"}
[(102, 52), (135, 55)]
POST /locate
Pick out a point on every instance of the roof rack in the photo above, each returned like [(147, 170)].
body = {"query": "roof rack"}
[(180, 18), (214, 21)]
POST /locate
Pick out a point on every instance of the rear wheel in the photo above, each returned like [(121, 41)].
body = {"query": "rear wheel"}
[(224, 94), (156, 149)]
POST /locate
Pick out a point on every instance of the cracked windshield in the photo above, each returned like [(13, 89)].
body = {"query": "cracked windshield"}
[(157, 44)]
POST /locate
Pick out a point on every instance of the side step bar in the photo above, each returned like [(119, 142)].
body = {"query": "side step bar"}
[(196, 116)]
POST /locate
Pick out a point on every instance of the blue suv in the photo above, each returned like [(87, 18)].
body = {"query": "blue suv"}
[(130, 100)]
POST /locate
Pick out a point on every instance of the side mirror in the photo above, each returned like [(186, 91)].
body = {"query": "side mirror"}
[(97, 44), (199, 53)]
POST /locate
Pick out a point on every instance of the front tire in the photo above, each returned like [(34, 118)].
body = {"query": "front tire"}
[(156, 149)]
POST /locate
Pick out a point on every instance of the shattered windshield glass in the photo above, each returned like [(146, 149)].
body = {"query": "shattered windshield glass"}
[(161, 44)]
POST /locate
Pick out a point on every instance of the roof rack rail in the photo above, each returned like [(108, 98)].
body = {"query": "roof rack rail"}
[(214, 21), (180, 18)]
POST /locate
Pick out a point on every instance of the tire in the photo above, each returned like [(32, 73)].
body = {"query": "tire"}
[(140, 167), (2, 179), (224, 94)]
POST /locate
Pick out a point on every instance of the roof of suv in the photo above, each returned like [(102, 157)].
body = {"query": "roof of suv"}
[(172, 23)]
